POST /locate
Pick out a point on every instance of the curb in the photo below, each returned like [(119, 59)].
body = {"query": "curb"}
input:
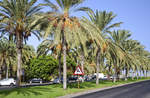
[(96, 90)]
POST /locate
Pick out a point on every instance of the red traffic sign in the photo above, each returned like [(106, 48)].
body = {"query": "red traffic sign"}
[(78, 71)]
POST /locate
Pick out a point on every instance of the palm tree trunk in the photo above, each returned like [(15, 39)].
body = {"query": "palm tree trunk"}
[(133, 75), (115, 75), (0, 72), (109, 70), (140, 73), (137, 74), (18, 67), (19, 45), (146, 73), (126, 74), (64, 62), (108, 75), (6, 72), (59, 66), (6, 69), (97, 66), (118, 75), (82, 64), (11, 70), (64, 68)]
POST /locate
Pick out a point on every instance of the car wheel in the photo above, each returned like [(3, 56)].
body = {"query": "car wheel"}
[(11, 84)]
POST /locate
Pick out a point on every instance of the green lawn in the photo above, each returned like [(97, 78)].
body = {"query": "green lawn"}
[(53, 91)]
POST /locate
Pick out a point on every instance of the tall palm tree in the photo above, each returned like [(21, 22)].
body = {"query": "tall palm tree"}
[(103, 20), (143, 58), (17, 18), (130, 47), (66, 28), (117, 38), (7, 54)]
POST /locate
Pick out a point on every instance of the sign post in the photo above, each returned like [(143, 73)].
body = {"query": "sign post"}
[(78, 72)]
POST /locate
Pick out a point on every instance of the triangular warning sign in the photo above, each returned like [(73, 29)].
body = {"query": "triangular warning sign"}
[(78, 71)]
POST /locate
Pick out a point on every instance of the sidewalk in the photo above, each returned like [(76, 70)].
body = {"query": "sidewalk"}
[(95, 90)]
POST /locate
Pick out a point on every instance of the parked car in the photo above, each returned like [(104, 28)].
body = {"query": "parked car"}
[(69, 80), (56, 80), (72, 79), (8, 82), (104, 78), (112, 77), (87, 78), (93, 77), (35, 80)]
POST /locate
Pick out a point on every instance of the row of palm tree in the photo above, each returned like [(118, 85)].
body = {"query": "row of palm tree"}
[(90, 41), (8, 57)]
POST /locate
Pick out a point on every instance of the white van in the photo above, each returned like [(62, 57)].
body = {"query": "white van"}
[(100, 75)]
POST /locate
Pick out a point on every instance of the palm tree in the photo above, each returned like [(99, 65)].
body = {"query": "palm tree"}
[(146, 63), (103, 20), (130, 47), (7, 54), (66, 28), (142, 57), (18, 20), (118, 38)]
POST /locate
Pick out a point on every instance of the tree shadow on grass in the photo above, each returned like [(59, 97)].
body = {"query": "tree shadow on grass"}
[(82, 85), (25, 91), (58, 85), (75, 85), (90, 84)]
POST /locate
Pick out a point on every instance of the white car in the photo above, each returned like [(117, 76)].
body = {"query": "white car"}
[(105, 77), (8, 82)]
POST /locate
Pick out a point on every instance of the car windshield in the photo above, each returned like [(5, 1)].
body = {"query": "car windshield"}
[(4, 79), (36, 79)]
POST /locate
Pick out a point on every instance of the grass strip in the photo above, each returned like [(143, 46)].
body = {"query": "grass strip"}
[(53, 91)]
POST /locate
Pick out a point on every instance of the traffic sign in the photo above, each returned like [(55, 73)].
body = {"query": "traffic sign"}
[(78, 71)]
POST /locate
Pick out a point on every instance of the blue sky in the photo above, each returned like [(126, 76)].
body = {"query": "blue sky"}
[(134, 14)]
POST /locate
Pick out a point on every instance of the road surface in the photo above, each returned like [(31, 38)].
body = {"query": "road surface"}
[(137, 90)]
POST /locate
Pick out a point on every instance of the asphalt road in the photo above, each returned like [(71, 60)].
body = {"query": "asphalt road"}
[(137, 90)]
